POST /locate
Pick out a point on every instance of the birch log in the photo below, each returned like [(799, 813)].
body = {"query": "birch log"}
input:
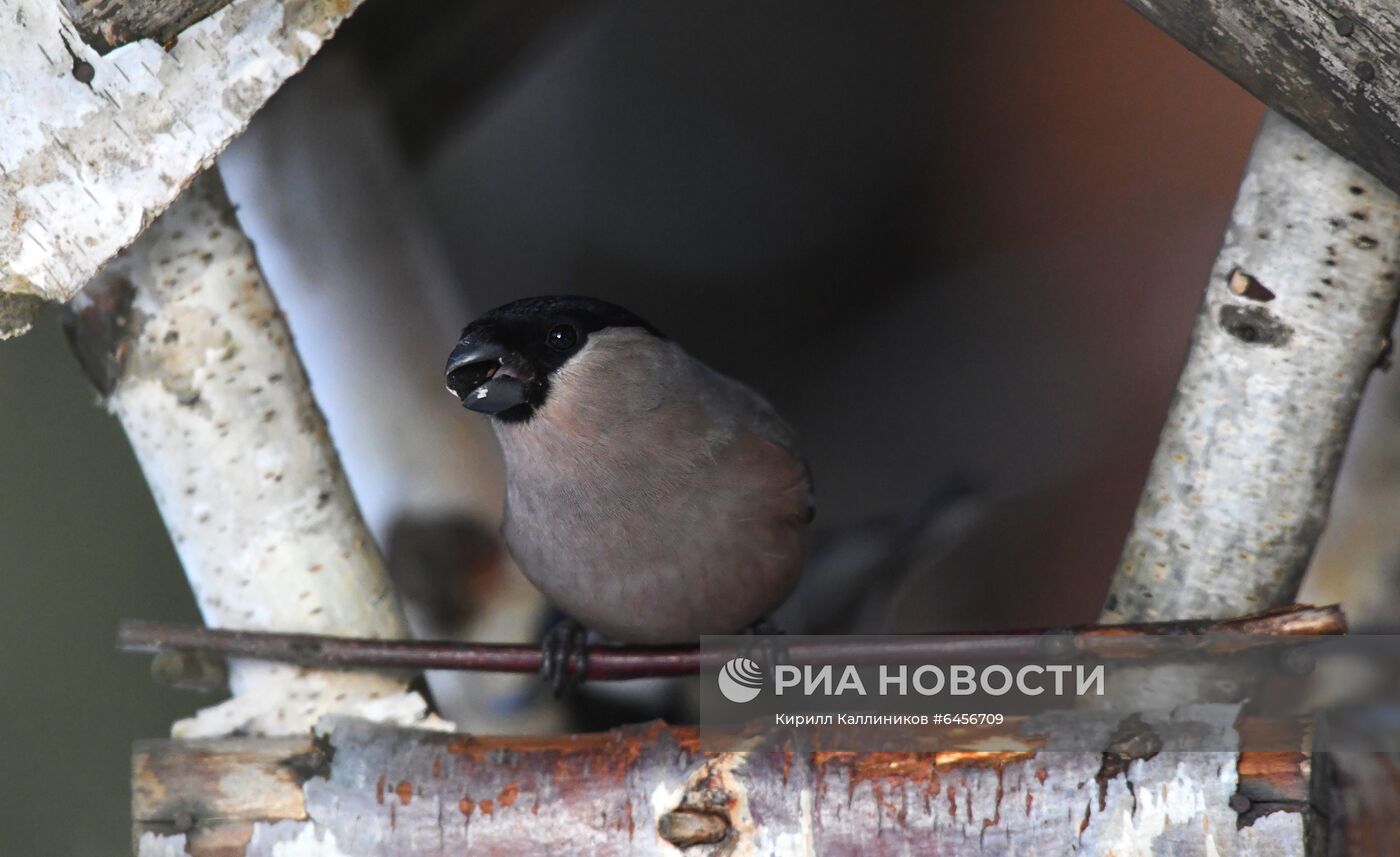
[(375, 308), (1332, 67), (1296, 314), (109, 24), (96, 145), (360, 272), (373, 791), (182, 336)]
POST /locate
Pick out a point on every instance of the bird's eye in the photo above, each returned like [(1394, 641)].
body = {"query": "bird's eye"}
[(562, 337)]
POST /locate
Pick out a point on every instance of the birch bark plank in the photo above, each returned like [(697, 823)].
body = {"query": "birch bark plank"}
[(652, 790)]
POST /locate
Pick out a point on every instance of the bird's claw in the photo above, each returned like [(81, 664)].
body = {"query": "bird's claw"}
[(770, 647), (763, 626), (566, 641)]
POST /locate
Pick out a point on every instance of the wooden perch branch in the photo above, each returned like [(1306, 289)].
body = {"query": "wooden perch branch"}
[(613, 663), (1333, 68), (186, 343), (1296, 315), (369, 790)]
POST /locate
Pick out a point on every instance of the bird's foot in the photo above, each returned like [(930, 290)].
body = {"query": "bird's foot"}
[(763, 626), (566, 641), (765, 641)]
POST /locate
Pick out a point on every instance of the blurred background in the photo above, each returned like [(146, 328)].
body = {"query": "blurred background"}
[(958, 245)]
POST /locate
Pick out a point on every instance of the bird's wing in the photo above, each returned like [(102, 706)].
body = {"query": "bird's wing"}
[(760, 418)]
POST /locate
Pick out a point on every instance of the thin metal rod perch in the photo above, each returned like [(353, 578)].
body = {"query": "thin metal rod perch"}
[(607, 663)]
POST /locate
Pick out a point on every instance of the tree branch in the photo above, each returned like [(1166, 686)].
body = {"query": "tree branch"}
[(1297, 313), (185, 341)]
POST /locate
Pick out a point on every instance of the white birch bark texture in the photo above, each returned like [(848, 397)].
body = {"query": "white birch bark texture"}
[(359, 273), (1296, 315), (1331, 66), (375, 311), (372, 791), (202, 374), (95, 146)]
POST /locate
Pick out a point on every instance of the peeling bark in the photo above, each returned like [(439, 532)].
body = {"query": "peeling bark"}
[(199, 367), (1296, 315), (650, 789), (108, 24), (1333, 68), (95, 146)]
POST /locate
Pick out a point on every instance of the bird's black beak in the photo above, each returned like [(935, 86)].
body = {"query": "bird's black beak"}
[(474, 376)]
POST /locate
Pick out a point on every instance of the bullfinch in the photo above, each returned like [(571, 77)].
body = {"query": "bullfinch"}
[(649, 497)]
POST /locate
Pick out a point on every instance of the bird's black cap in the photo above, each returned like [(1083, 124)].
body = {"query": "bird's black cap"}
[(588, 314)]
